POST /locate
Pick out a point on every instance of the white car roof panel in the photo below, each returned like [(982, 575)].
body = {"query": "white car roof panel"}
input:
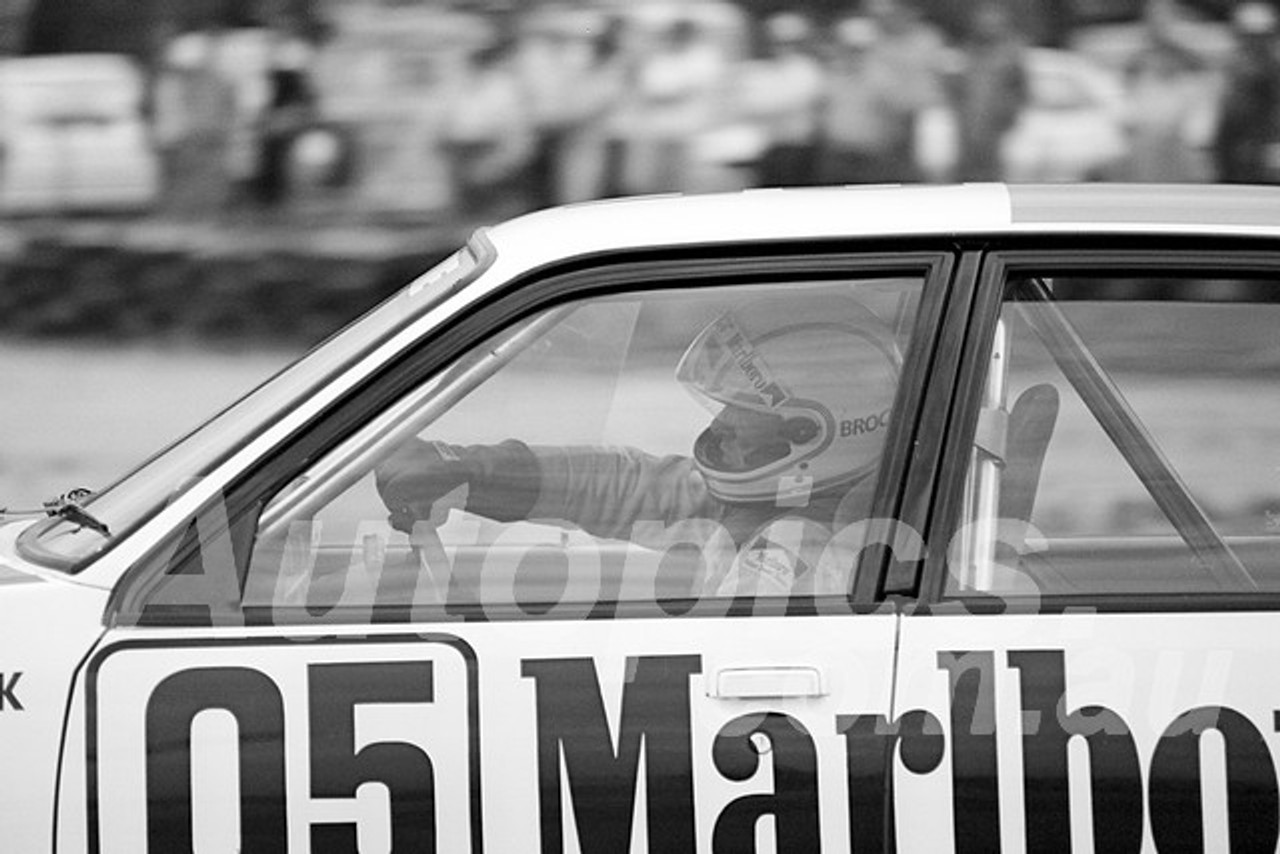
[(1228, 209), (881, 211), (753, 215)]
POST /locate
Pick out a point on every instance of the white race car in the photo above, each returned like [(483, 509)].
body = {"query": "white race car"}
[(865, 519)]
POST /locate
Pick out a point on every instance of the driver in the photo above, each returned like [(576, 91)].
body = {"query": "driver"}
[(800, 392)]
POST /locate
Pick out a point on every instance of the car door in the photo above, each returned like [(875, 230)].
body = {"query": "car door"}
[(1093, 653), (634, 667)]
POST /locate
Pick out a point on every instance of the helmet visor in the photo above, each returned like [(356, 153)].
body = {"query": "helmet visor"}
[(724, 365)]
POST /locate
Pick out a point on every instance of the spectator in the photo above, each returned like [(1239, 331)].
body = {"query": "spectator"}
[(916, 58), (989, 91), (194, 112), (887, 74), (1246, 134), (677, 89), (783, 92), (1166, 101), (551, 66), (487, 135), (290, 110), (623, 124), (865, 136), (587, 163)]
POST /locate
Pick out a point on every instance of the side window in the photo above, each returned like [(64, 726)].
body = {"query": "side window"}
[(1128, 443), (646, 453)]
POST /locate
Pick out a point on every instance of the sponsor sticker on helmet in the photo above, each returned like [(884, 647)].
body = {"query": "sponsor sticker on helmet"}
[(728, 367)]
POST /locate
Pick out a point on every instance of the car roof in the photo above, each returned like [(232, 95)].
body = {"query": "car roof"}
[(883, 212)]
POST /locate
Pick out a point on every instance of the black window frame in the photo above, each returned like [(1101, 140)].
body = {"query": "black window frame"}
[(600, 275), (1103, 255)]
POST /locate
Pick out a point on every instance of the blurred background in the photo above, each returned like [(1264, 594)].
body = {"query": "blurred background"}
[(194, 192)]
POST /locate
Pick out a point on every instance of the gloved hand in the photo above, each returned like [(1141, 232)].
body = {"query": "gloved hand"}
[(502, 480)]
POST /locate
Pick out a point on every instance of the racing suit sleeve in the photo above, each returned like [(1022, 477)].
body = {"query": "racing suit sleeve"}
[(606, 491)]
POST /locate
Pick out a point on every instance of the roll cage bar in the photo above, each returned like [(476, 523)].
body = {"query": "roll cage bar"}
[(1140, 450)]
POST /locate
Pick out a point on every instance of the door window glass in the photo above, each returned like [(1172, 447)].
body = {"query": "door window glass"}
[(1135, 425), (663, 453)]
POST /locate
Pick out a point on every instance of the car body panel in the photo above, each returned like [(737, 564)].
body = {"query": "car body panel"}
[(903, 712), (1154, 701), (46, 629), (488, 699)]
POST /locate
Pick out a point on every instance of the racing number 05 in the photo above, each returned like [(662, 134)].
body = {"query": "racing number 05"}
[(339, 764)]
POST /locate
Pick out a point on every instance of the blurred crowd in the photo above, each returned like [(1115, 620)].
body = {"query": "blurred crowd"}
[(578, 101)]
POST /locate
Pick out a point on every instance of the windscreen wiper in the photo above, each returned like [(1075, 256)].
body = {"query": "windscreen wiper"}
[(66, 506)]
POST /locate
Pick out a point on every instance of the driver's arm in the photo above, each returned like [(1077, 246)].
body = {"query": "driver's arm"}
[(604, 491)]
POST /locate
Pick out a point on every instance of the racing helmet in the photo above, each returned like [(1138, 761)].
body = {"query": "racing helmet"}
[(801, 388)]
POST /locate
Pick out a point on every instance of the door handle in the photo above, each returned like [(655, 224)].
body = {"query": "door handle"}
[(749, 683)]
